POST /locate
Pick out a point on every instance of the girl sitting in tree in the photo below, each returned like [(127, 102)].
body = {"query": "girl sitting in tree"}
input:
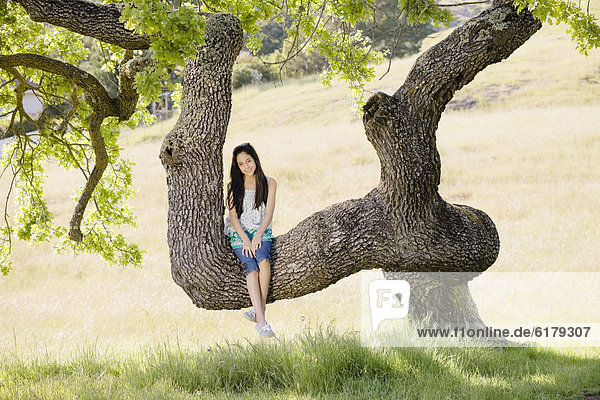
[(251, 202)]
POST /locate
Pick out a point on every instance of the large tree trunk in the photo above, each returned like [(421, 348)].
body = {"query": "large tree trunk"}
[(401, 225)]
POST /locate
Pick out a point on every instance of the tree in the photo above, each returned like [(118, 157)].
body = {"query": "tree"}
[(401, 225)]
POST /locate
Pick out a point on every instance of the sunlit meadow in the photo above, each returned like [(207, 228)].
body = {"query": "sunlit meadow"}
[(530, 159)]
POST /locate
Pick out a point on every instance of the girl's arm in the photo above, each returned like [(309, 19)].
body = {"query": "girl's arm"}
[(269, 209), (235, 222)]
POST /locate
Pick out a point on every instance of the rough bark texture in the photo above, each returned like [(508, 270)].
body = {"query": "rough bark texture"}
[(402, 225), (100, 21), (201, 262)]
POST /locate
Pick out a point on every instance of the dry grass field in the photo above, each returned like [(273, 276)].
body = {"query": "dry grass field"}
[(529, 156)]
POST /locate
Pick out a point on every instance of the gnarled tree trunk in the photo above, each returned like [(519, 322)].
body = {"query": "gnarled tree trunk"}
[(401, 225)]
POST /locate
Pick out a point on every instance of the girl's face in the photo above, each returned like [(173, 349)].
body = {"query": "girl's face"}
[(246, 163)]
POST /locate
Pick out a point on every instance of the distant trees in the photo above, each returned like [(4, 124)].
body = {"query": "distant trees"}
[(388, 32)]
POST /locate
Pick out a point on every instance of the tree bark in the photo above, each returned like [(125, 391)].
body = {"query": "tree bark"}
[(100, 21), (401, 225)]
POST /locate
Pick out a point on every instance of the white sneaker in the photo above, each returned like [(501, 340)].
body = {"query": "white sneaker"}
[(250, 315), (265, 331)]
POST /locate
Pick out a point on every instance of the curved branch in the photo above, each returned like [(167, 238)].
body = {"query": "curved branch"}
[(81, 78), (128, 96), (336, 242), (123, 106), (101, 163), (483, 40), (100, 21), (402, 127)]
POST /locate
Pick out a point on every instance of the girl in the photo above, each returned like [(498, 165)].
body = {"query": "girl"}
[(251, 202)]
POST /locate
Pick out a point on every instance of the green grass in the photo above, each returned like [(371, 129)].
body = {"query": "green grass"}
[(319, 363)]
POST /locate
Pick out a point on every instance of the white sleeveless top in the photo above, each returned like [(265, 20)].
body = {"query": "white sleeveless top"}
[(250, 219)]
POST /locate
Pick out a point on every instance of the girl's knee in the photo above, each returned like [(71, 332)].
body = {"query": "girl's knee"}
[(264, 264), (252, 275)]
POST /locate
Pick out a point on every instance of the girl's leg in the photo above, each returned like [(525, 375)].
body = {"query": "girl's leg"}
[(252, 282), (264, 265), (264, 279), (256, 297)]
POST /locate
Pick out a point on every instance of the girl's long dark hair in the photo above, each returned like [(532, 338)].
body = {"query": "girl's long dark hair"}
[(235, 193)]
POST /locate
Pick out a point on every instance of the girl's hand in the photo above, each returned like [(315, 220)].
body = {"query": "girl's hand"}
[(247, 247), (256, 242)]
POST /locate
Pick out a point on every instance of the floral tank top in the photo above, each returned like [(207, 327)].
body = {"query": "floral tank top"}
[(250, 220)]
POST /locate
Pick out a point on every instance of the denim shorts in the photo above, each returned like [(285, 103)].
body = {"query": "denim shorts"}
[(250, 262)]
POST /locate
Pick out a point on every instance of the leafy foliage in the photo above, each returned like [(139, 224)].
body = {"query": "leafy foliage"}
[(62, 137), (582, 26), (101, 64), (176, 35)]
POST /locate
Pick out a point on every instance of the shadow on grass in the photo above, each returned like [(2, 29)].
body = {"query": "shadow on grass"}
[(321, 363)]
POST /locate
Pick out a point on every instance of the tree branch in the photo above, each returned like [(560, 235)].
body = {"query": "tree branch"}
[(100, 21), (445, 68), (128, 96), (402, 127), (81, 78), (101, 162)]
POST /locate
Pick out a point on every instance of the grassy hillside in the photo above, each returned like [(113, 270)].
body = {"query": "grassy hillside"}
[(527, 153)]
